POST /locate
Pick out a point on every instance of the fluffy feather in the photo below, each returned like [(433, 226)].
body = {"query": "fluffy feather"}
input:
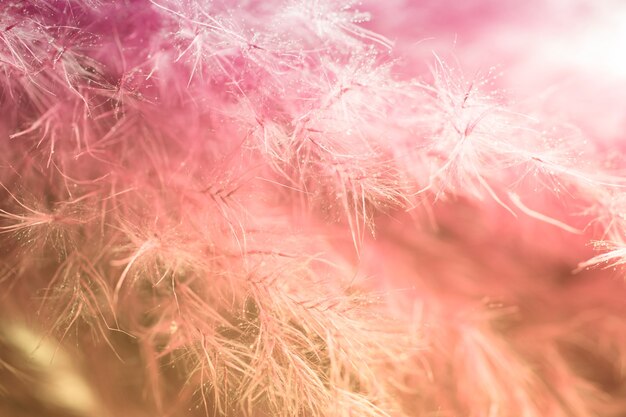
[(277, 209)]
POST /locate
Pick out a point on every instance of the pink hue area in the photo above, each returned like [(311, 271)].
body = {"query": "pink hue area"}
[(309, 208)]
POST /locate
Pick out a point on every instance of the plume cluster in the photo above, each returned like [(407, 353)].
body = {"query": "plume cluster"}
[(221, 208)]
